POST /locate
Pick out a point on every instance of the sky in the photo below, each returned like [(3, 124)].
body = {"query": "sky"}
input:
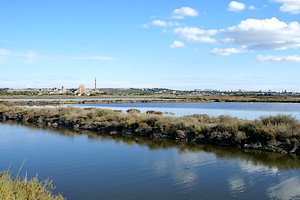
[(176, 44)]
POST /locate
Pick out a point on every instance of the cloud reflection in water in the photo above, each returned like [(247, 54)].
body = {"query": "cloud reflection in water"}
[(236, 185), (286, 189)]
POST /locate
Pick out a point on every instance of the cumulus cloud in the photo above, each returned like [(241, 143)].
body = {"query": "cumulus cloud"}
[(183, 12), (289, 6), (235, 6), (194, 34), (248, 35), (226, 52), (177, 44), (265, 34), (278, 59)]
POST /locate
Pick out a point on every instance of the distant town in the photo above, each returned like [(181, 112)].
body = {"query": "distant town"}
[(82, 91)]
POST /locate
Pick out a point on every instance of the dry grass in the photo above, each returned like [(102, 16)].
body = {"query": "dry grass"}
[(15, 188)]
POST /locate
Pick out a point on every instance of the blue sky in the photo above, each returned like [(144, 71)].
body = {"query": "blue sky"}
[(178, 44)]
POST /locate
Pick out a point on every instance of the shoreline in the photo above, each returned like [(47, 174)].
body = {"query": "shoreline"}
[(279, 133)]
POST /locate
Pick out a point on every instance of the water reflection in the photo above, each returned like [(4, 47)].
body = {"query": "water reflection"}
[(286, 189), (116, 167), (251, 161), (236, 185), (187, 166), (251, 168)]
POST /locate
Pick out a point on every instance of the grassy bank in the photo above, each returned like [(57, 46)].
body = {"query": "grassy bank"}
[(65, 99), (31, 189), (279, 133)]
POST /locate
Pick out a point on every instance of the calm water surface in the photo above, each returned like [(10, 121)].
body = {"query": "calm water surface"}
[(243, 110), (82, 99), (87, 166)]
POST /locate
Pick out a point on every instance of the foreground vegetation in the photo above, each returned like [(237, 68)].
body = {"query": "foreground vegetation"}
[(16, 188), (279, 133)]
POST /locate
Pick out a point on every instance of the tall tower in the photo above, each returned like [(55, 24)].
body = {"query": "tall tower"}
[(95, 84)]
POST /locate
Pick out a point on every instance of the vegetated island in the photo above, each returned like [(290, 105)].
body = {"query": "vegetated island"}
[(279, 133)]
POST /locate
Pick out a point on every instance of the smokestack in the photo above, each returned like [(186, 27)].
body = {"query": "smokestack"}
[(95, 84)]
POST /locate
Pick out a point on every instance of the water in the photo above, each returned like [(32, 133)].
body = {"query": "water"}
[(87, 166), (86, 99), (235, 109)]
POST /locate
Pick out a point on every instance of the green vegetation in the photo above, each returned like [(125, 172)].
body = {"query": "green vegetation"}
[(18, 93), (157, 94), (16, 188), (279, 133)]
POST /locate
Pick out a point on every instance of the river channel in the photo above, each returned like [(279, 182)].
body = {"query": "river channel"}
[(91, 166)]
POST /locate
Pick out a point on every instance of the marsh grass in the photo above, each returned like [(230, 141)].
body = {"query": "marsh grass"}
[(16, 188)]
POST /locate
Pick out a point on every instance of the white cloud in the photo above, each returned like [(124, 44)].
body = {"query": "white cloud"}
[(182, 12), (251, 7), (235, 6), (226, 52), (289, 6), (35, 55), (163, 23), (159, 23), (26, 54), (227, 41), (89, 58), (145, 25), (278, 59), (4, 52), (177, 44), (265, 34), (194, 34), (248, 35)]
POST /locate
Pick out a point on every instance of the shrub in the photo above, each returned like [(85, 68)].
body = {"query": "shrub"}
[(251, 130), (133, 111), (154, 112), (279, 119), (231, 128)]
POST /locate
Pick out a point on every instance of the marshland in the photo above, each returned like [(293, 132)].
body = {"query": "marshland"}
[(279, 133)]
